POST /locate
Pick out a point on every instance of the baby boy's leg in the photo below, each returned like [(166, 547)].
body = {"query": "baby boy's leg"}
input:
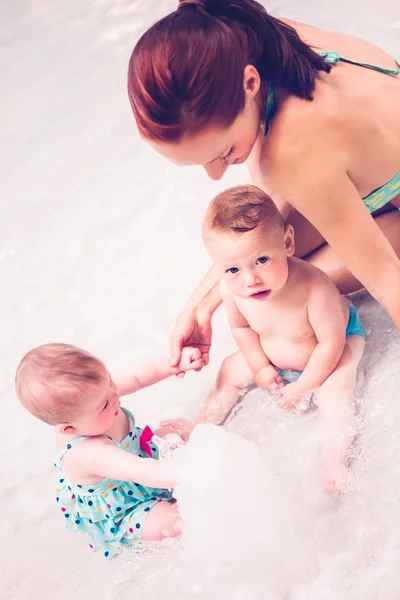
[(336, 402), (233, 379)]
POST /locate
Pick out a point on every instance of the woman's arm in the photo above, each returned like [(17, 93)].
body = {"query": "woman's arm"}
[(323, 193), (206, 296), (193, 325)]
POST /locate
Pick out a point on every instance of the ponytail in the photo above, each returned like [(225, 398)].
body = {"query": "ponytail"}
[(186, 71)]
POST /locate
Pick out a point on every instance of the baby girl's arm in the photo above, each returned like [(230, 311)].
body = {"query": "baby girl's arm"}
[(101, 457), (154, 371)]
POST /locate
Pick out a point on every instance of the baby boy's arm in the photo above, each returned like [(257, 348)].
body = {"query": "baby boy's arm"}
[(151, 372), (245, 337), (326, 317)]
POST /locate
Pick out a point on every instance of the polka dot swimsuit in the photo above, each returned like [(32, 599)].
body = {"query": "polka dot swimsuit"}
[(112, 512)]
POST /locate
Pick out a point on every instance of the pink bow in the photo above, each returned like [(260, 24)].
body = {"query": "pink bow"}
[(145, 438)]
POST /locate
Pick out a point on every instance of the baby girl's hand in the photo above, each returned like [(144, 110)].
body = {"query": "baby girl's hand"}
[(191, 359), (269, 379), (291, 396), (182, 427)]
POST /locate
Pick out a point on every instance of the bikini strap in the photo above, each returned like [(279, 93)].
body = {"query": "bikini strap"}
[(270, 107), (334, 57)]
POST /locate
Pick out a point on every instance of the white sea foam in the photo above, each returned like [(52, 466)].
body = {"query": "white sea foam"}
[(238, 514)]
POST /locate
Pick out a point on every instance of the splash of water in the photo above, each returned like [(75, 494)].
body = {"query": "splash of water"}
[(238, 516)]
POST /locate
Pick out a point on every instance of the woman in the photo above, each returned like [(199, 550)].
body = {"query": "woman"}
[(315, 114)]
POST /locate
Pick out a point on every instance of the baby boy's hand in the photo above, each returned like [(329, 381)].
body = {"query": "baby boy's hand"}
[(291, 396), (191, 359), (269, 379)]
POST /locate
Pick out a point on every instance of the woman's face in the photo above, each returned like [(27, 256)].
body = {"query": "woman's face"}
[(218, 148)]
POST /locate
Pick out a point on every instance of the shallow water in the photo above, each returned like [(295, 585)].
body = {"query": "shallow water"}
[(100, 245)]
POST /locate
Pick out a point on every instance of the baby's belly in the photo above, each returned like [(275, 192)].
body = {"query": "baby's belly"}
[(287, 354)]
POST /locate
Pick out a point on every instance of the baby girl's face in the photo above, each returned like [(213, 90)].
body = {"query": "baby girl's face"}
[(253, 264), (99, 409)]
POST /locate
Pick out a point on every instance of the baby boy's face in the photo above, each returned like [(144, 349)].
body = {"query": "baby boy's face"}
[(253, 264)]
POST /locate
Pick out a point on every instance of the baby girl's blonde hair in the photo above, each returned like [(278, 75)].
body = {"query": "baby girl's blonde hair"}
[(52, 380)]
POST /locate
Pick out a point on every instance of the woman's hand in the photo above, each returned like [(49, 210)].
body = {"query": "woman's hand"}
[(192, 328)]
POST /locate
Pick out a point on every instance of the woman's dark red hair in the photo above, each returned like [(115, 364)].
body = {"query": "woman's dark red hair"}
[(186, 71)]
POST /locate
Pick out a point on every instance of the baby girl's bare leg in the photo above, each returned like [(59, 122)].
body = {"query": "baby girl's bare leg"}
[(233, 378), (336, 402), (163, 521)]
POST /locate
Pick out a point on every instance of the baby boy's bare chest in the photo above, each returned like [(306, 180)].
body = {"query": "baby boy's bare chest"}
[(270, 320)]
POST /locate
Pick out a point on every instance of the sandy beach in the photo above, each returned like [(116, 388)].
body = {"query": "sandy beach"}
[(100, 247)]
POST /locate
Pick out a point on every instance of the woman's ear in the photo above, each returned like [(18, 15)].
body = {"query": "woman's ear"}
[(251, 82)]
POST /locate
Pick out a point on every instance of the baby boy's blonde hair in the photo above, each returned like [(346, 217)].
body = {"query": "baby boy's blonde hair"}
[(52, 380), (240, 209)]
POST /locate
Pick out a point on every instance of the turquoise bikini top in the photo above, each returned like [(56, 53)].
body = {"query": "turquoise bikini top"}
[(387, 192)]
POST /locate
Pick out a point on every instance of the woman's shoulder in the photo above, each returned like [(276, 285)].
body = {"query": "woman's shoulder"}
[(345, 44), (307, 149), (303, 131)]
